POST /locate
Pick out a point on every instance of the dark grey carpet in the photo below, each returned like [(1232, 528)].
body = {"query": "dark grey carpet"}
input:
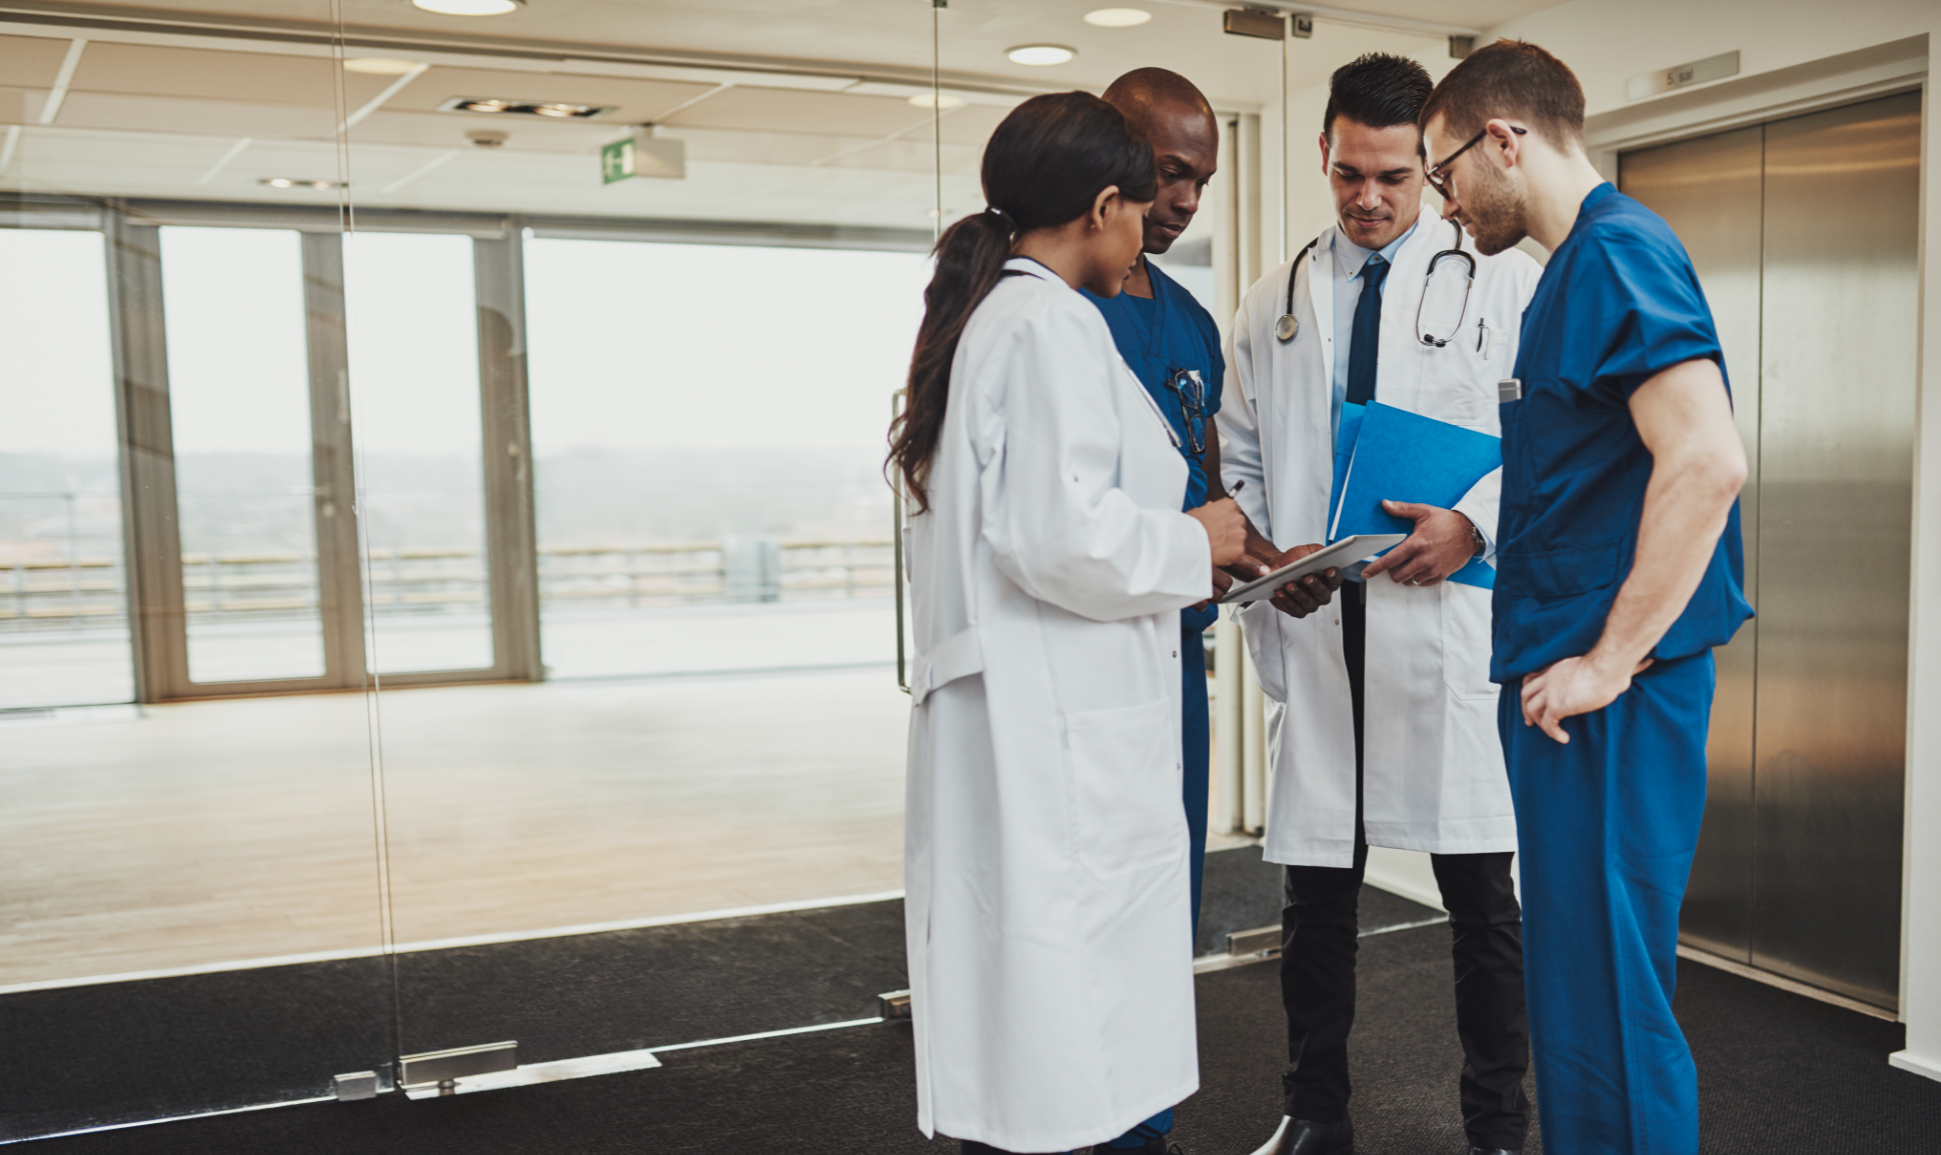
[(1778, 1072), (86, 1056)]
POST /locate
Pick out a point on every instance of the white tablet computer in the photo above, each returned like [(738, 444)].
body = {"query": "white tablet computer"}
[(1340, 555)]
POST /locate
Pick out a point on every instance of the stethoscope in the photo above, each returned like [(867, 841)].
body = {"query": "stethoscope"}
[(1289, 325)]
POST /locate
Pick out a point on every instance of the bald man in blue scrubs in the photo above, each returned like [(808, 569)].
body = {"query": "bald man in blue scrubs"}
[(1173, 346), (1619, 568)]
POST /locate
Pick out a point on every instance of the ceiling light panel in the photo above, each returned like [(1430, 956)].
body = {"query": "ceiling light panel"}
[(936, 100), (1040, 55), (307, 185), (1117, 17), (468, 7), (379, 65)]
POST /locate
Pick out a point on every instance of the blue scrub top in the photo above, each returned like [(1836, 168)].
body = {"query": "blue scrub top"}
[(1157, 338), (1618, 303)]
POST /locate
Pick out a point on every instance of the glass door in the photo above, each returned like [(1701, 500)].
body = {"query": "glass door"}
[(681, 382), (253, 366)]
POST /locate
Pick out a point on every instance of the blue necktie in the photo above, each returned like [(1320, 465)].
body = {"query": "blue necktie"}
[(1365, 338)]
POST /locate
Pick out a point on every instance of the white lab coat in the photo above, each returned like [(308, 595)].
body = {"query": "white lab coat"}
[(1047, 903), (1433, 769)]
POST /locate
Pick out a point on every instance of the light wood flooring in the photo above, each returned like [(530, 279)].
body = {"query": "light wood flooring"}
[(220, 831)]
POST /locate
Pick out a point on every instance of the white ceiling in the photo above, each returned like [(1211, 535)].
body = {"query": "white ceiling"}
[(791, 110)]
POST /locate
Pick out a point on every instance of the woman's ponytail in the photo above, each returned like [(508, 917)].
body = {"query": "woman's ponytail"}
[(1044, 166), (970, 258)]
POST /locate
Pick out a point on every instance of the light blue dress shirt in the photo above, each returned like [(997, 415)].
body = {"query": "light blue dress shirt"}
[(1349, 260)]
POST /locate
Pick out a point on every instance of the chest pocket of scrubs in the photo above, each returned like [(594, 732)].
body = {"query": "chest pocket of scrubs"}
[(1122, 770)]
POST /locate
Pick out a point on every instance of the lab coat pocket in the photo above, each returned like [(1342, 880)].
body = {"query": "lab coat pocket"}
[(1466, 641), (1260, 625), (1124, 770), (1458, 390)]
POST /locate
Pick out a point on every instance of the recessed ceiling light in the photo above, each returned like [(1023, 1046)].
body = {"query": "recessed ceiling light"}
[(943, 100), (1040, 54), (296, 182), (469, 7), (1117, 17), (379, 65), (552, 109)]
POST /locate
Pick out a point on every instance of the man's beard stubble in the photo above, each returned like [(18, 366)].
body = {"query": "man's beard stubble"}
[(1495, 211)]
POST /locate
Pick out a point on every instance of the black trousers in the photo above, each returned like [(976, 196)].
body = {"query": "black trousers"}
[(1318, 945)]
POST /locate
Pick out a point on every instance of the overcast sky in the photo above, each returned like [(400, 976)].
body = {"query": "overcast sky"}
[(632, 345)]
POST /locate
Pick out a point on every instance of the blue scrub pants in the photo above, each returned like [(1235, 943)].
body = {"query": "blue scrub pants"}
[(1196, 733), (1607, 826)]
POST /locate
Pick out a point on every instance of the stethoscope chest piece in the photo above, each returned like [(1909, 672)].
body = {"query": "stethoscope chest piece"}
[(1287, 326)]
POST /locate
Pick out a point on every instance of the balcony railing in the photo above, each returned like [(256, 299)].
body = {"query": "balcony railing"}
[(270, 585)]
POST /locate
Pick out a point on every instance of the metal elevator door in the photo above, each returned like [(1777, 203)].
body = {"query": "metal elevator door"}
[(1803, 232)]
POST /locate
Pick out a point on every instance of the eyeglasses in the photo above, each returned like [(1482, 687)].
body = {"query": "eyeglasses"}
[(1438, 175), (1191, 391)]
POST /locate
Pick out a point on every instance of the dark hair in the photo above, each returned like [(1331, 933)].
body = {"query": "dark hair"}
[(1044, 166), (1379, 90), (1516, 81)]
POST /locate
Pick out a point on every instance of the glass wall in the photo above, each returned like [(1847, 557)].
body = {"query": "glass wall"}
[(710, 490), (460, 472), (190, 913)]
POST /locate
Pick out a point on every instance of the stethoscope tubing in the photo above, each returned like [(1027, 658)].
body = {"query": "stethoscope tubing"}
[(1288, 326)]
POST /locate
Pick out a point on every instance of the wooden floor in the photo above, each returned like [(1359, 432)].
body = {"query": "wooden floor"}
[(213, 832)]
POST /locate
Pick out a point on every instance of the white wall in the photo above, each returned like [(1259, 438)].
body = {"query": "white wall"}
[(1786, 55)]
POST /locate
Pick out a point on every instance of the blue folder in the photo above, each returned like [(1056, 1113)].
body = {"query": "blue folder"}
[(1395, 455)]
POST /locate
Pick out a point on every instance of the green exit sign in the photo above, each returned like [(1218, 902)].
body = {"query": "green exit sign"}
[(642, 155), (617, 161)]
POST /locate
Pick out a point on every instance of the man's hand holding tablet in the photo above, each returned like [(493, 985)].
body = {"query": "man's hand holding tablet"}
[(1304, 578)]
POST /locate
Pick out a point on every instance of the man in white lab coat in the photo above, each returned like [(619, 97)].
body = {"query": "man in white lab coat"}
[(1386, 729)]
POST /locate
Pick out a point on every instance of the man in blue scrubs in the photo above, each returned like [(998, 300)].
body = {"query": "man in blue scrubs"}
[(1173, 346), (1619, 568)]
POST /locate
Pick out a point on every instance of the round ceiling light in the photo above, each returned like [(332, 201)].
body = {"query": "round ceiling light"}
[(1117, 17), (379, 65), (1040, 54), (469, 7), (942, 100)]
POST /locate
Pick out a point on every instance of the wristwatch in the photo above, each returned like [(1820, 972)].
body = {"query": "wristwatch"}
[(1476, 535)]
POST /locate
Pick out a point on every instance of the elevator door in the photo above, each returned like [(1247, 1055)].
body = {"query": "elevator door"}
[(1803, 232)]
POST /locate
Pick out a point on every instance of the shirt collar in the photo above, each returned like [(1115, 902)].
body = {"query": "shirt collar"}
[(1351, 257)]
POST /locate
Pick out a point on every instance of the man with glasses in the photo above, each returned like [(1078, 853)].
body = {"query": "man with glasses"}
[(1620, 567), (1387, 730), (1173, 347)]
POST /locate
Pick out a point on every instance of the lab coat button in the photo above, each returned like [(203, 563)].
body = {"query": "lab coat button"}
[(1176, 653)]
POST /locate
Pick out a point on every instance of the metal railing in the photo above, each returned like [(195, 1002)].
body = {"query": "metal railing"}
[(270, 585)]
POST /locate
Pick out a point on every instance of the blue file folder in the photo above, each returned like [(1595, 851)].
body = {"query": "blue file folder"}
[(1385, 453)]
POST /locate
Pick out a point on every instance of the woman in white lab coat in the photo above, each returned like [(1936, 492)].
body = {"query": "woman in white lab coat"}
[(1046, 848)]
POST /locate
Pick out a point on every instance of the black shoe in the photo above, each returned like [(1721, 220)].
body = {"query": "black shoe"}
[(1474, 1150), (1306, 1137)]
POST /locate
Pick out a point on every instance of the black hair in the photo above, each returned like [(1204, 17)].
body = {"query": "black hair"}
[(1044, 166), (1378, 89)]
